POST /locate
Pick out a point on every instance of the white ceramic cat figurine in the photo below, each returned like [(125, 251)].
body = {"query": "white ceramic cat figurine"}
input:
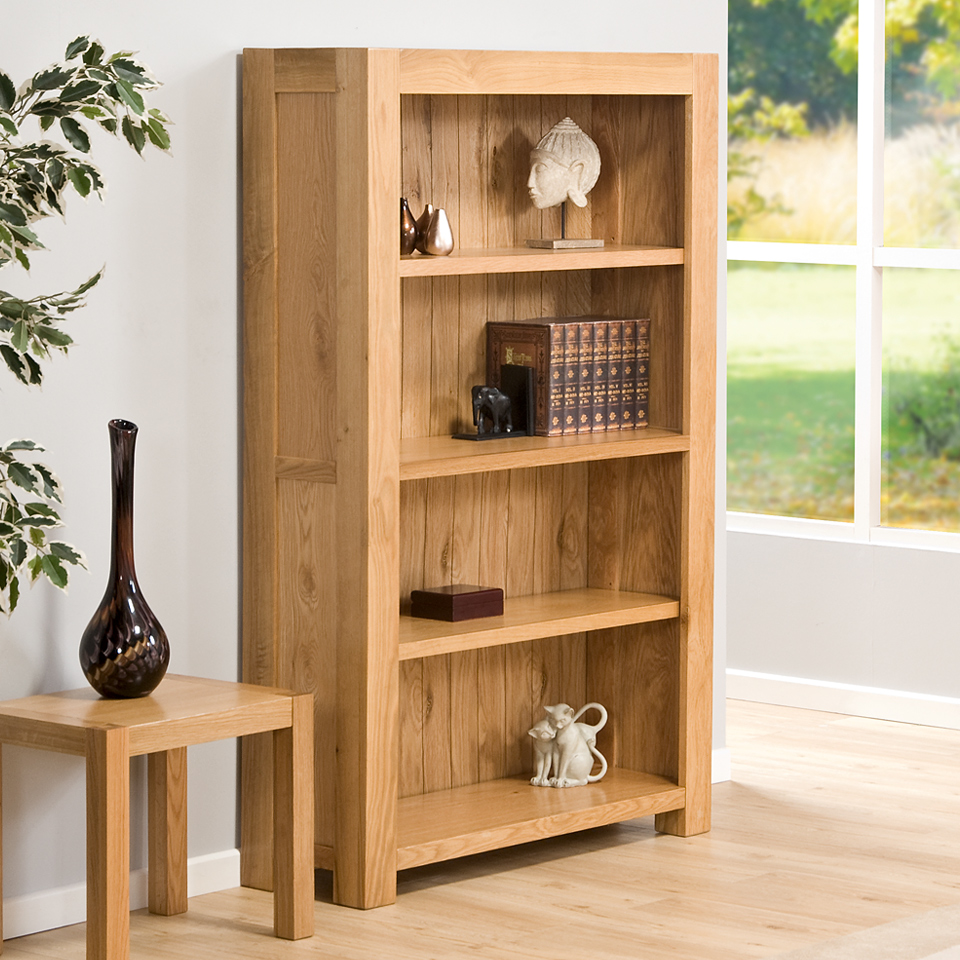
[(576, 745), (545, 752)]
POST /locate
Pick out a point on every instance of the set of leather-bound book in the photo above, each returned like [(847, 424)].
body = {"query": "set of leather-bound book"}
[(591, 374)]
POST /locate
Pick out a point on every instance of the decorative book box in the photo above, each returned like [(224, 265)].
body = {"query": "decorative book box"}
[(461, 601)]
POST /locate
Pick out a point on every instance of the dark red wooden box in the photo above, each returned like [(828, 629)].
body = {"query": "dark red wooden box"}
[(462, 601)]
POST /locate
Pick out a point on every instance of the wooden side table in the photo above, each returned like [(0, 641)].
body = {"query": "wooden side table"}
[(181, 712)]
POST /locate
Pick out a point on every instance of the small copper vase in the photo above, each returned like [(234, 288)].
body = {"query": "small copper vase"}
[(124, 651), (422, 222), (408, 228)]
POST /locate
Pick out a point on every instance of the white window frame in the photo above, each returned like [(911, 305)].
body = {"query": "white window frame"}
[(868, 256)]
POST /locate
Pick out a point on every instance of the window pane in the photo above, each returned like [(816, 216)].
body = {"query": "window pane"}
[(790, 390), (921, 393), (922, 140), (792, 167)]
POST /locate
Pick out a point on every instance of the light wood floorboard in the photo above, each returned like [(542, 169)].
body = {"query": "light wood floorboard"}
[(830, 825)]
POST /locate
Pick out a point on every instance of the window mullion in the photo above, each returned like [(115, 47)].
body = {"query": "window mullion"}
[(869, 369)]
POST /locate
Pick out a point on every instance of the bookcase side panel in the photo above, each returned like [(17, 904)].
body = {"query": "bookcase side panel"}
[(649, 704), (635, 524), (696, 647), (651, 161), (367, 516), (634, 672), (306, 278), (259, 448), (306, 635)]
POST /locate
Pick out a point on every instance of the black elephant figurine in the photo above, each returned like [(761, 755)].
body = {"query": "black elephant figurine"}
[(494, 405)]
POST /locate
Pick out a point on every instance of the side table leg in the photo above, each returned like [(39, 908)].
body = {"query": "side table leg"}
[(1, 848), (108, 844), (167, 831), (293, 824)]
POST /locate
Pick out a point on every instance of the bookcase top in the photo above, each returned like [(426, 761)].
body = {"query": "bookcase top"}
[(500, 72)]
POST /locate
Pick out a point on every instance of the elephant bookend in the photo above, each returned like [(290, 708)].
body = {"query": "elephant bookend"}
[(502, 413)]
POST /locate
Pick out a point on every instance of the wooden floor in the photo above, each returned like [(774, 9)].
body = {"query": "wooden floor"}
[(830, 825)]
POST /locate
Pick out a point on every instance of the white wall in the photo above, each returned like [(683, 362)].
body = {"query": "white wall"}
[(845, 627), (158, 345)]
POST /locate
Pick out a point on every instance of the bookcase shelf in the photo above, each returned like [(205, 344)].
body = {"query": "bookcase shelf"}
[(500, 813), (535, 617), (443, 456), (528, 260), (358, 365)]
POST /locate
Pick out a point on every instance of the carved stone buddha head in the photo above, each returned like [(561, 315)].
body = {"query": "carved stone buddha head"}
[(564, 165)]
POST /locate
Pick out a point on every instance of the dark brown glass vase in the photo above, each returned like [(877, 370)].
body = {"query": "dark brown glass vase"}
[(124, 650)]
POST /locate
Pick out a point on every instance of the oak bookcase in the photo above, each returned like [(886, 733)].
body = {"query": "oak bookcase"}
[(357, 367)]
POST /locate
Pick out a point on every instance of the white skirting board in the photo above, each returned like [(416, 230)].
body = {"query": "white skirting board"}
[(720, 770), (898, 705), (63, 906)]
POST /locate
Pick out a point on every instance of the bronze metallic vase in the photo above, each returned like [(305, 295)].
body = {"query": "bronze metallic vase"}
[(124, 651), (422, 225), (408, 228)]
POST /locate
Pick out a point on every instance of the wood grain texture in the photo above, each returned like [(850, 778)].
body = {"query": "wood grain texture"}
[(167, 831), (293, 840), (302, 468), (369, 377), (162, 721), (534, 617), (442, 456), (501, 813), (696, 640), (306, 647), (108, 843), (306, 277), (259, 441), (411, 728), (510, 72), (305, 70)]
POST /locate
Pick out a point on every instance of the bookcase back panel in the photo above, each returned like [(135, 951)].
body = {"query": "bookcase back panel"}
[(523, 530), (444, 337), (655, 293), (306, 276), (470, 154), (639, 196), (306, 656), (464, 717)]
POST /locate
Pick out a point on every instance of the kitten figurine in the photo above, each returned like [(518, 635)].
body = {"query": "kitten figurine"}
[(545, 752)]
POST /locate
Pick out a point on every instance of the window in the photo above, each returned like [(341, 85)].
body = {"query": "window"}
[(843, 367)]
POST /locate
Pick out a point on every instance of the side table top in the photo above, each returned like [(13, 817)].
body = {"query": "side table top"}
[(181, 711)]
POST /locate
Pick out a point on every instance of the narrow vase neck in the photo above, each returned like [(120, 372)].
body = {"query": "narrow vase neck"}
[(123, 439)]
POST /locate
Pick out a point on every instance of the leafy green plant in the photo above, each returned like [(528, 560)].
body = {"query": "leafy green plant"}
[(751, 119), (35, 177), (929, 403)]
